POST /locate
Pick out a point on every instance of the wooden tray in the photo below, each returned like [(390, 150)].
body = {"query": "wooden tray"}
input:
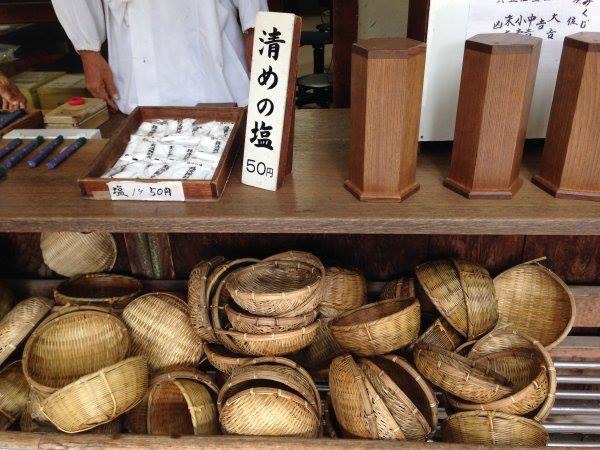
[(92, 185), (31, 120)]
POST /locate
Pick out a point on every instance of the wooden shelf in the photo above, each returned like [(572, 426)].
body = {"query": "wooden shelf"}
[(313, 200)]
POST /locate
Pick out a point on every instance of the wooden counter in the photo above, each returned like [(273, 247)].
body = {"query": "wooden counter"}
[(313, 199)]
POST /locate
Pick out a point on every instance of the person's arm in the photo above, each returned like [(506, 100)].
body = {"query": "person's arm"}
[(247, 10), (12, 98), (83, 21)]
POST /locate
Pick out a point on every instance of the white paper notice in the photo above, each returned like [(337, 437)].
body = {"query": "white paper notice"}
[(161, 191), (273, 39)]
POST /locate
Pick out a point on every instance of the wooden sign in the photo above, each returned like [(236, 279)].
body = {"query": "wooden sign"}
[(268, 148), (571, 161)]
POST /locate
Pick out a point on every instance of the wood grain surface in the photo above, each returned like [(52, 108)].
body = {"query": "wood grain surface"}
[(313, 199)]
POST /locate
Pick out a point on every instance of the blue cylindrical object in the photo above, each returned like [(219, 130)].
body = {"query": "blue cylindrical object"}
[(43, 153), (17, 157), (7, 119), (66, 153), (10, 147)]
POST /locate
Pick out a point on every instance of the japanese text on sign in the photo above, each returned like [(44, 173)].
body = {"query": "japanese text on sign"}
[(273, 39), (164, 191)]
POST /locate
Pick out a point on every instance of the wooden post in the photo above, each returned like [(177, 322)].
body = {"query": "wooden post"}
[(387, 86), (496, 91), (571, 160)]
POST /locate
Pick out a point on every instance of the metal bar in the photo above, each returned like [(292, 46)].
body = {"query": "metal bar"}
[(576, 411), (577, 395), (570, 365), (577, 380), (572, 428), (576, 444)]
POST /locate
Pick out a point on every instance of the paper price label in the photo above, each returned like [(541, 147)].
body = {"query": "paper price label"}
[(161, 191)]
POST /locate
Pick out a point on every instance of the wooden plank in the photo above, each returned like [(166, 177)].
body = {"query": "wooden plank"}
[(578, 348), (345, 32), (26, 12), (313, 202), (150, 255)]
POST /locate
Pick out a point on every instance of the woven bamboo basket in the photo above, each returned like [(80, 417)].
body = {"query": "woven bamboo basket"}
[(72, 343), (464, 348), (343, 290), (272, 372), (401, 288), (323, 349), (70, 253), (536, 302), (14, 394), (7, 300), (19, 322), (248, 323), (493, 428), (406, 395), (104, 290), (460, 376), (480, 298), (378, 328), (161, 330), (441, 334), (98, 398), (222, 359), (136, 419), (274, 288), (182, 402)]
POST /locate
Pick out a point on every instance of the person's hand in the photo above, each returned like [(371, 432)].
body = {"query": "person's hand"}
[(249, 46), (12, 98), (99, 78)]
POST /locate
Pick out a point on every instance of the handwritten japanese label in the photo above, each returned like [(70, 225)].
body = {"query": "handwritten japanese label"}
[(273, 39), (163, 191)]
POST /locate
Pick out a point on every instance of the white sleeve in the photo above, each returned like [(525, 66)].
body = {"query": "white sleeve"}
[(248, 9), (83, 21)]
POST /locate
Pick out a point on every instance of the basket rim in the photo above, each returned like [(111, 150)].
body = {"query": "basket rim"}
[(271, 336), (221, 270), (536, 264), (215, 305), (406, 304), (298, 255), (44, 306), (210, 352), (52, 320), (276, 321), (109, 300)]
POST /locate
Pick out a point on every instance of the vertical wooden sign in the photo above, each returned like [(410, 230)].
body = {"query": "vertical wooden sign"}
[(268, 148)]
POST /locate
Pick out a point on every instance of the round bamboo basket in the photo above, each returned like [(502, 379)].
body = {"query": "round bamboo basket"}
[(99, 289), (402, 288), (98, 398), (70, 344), (19, 322), (70, 253), (441, 334), (407, 396), (493, 428), (14, 394), (28, 424), (222, 359), (536, 302), (248, 323), (298, 255), (7, 300), (480, 298), (378, 328), (266, 411), (322, 349), (343, 290), (161, 330), (460, 376), (274, 288), (182, 402)]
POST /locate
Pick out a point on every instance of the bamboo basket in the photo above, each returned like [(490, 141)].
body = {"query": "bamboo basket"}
[(161, 330), (401, 288), (460, 376), (274, 288), (70, 344), (268, 411), (70, 253), (14, 394), (493, 428), (7, 300), (322, 350), (136, 419), (536, 302), (247, 323), (98, 398), (406, 395), (441, 334), (378, 328), (182, 402), (343, 290), (222, 359), (19, 322), (104, 290)]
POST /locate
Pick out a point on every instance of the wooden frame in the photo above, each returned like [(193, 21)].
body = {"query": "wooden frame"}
[(93, 185), (34, 119)]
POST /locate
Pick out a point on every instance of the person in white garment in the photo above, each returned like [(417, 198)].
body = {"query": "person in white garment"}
[(163, 52)]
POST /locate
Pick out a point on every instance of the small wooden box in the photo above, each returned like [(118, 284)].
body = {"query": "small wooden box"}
[(91, 114), (60, 90), (94, 186), (29, 83)]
